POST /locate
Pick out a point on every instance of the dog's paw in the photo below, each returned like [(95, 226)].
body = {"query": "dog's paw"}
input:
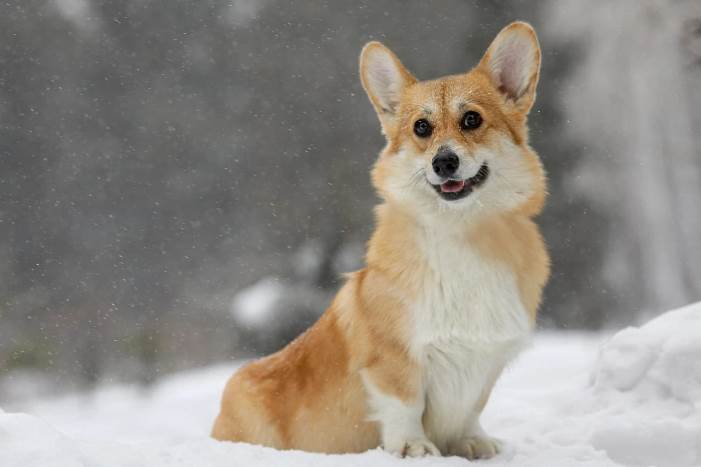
[(420, 447), (477, 447)]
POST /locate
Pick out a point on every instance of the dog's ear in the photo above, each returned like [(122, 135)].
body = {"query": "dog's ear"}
[(384, 79), (512, 62)]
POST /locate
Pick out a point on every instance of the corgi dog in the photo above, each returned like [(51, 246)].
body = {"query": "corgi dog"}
[(406, 355)]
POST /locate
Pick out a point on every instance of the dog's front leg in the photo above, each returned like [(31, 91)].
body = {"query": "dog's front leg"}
[(476, 444), (397, 401)]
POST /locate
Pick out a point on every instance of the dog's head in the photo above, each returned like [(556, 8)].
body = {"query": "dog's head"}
[(459, 143)]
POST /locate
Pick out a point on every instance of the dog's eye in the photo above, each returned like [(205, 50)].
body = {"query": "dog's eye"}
[(422, 128), (470, 120)]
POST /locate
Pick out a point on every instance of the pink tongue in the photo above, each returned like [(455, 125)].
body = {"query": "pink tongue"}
[(452, 186)]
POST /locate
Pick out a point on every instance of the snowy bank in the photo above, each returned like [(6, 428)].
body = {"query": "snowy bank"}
[(648, 382), (568, 401)]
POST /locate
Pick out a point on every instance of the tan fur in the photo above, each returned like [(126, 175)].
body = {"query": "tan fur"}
[(310, 395)]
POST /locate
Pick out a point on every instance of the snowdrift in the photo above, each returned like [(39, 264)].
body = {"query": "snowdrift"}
[(571, 400), (648, 382)]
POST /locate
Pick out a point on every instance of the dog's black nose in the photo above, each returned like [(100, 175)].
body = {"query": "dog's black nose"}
[(445, 163)]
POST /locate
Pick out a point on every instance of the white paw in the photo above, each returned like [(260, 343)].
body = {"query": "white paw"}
[(477, 447), (414, 448)]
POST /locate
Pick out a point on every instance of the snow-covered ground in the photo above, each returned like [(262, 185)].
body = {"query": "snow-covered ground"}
[(570, 400)]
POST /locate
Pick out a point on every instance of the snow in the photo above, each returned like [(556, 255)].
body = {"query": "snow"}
[(255, 306), (572, 399), (652, 375)]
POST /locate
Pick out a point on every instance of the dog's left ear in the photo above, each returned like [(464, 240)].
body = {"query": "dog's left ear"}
[(512, 61)]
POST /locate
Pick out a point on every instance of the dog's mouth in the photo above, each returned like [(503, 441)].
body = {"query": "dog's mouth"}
[(452, 190)]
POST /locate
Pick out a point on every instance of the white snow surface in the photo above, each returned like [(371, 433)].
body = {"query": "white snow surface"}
[(572, 399)]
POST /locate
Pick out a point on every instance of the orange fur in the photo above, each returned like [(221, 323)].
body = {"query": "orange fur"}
[(312, 394)]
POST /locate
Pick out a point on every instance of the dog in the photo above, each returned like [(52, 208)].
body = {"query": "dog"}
[(406, 355)]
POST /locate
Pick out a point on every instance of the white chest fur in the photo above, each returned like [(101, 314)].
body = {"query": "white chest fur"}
[(468, 323)]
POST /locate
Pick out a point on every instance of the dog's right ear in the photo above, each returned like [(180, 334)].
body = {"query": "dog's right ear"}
[(384, 79)]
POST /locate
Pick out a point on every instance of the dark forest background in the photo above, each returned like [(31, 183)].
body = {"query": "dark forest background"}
[(185, 181)]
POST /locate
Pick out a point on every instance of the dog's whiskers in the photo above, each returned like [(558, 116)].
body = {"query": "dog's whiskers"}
[(508, 182), (416, 178)]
